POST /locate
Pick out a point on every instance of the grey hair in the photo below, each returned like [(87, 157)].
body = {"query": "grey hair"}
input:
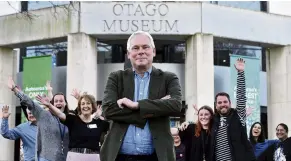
[(140, 33)]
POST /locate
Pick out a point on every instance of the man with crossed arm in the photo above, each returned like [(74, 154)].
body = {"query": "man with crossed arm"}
[(132, 100), (229, 137)]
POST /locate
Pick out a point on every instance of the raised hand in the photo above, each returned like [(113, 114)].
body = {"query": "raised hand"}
[(249, 111), (76, 93), (196, 109), (10, 83), (183, 126), (5, 111), (48, 86), (99, 111), (43, 100), (240, 65)]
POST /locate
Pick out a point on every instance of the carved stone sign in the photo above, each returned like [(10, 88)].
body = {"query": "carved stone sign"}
[(150, 17)]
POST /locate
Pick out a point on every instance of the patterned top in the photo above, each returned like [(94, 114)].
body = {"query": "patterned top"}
[(279, 155), (222, 146)]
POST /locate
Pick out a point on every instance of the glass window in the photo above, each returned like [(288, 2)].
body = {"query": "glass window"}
[(170, 52), (110, 53), (221, 57), (166, 52), (250, 5), (57, 50), (264, 67), (222, 51), (34, 5)]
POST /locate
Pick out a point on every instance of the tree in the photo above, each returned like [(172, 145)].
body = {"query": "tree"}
[(27, 6)]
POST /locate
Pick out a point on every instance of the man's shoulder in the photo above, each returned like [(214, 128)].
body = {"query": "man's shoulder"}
[(156, 71), (164, 73), (118, 72), (23, 125)]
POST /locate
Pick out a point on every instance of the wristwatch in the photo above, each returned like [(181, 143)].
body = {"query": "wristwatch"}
[(12, 89)]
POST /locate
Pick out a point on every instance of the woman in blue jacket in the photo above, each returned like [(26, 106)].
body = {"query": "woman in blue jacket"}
[(258, 139)]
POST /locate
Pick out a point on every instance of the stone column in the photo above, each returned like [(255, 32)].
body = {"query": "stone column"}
[(279, 88), (199, 73), (81, 66), (8, 67)]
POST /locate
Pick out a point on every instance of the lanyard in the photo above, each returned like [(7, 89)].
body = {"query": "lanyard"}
[(62, 133)]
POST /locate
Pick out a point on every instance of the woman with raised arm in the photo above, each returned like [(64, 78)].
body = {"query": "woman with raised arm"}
[(196, 136), (85, 132), (259, 141), (52, 136)]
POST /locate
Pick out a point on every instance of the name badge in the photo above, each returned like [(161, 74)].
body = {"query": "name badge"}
[(92, 126)]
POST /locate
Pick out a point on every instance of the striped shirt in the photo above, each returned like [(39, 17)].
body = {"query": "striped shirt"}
[(222, 146)]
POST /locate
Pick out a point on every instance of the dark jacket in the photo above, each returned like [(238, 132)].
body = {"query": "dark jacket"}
[(241, 148), (154, 110), (268, 155), (195, 146)]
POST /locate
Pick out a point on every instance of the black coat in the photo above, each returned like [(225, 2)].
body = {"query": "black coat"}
[(268, 154), (241, 148), (195, 146)]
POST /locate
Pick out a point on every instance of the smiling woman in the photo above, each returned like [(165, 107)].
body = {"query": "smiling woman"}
[(85, 131), (258, 140), (196, 137)]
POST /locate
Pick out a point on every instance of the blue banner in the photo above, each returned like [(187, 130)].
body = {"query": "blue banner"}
[(252, 75)]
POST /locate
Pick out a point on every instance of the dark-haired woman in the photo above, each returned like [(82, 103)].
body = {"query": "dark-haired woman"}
[(258, 140), (196, 137)]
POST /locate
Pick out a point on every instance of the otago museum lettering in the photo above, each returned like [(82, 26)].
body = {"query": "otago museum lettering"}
[(142, 16)]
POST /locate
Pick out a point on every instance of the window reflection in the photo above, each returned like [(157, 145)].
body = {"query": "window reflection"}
[(110, 53), (166, 52), (250, 5), (222, 51), (58, 51), (34, 5)]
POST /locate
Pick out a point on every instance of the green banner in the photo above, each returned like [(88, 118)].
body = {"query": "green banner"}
[(252, 75), (36, 71)]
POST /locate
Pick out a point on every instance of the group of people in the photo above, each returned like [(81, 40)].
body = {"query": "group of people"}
[(134, 121), (222, 135), (196, 147), (54, 133)]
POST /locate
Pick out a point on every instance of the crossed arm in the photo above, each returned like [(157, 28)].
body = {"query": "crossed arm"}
[(145, 108)]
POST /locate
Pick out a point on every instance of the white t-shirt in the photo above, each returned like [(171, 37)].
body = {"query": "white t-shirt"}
[(279, 155)]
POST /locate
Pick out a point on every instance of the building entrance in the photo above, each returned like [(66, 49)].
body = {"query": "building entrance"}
[(167, 51)]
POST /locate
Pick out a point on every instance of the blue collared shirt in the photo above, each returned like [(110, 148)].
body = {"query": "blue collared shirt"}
[(139, 141), (26, 132)]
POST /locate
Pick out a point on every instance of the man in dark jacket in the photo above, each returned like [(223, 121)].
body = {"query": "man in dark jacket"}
[(140, 101), (229, 136)]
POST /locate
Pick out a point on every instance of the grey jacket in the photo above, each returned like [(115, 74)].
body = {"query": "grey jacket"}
[(48, 142)]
